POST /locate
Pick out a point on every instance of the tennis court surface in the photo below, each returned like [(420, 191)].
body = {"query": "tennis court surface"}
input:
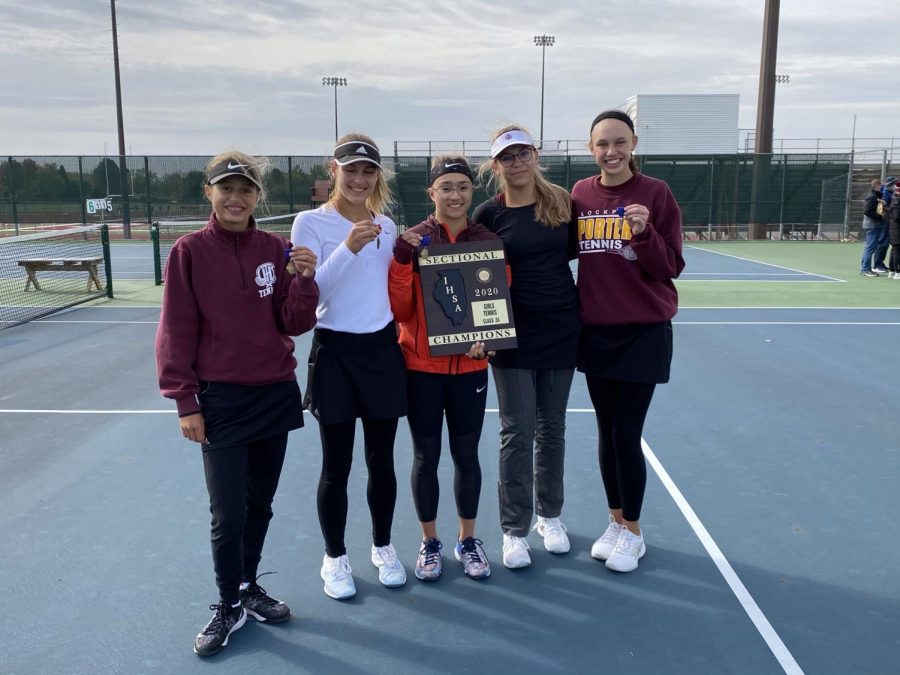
[(770, 515)]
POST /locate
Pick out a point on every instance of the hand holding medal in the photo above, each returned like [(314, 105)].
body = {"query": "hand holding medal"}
[(300, 259), (362, 233), (637, 216)]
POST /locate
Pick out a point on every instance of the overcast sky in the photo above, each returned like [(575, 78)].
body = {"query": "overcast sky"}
[(198, 77)]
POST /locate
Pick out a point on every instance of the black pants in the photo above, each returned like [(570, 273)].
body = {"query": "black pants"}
[(621, 408), (462, 398), (895, 258), (241, 480), (337, 457)]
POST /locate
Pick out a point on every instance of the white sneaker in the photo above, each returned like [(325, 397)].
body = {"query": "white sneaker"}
[(629, 549), (515, 552), (390, 569), (338, 578), (554, 533), (604, 546)]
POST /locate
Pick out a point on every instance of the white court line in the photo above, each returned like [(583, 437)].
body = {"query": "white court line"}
[(747, 274), (776, 646), (765, 629), (760, 262)]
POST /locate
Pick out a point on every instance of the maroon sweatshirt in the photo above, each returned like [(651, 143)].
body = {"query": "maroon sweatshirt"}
[(625, 278), (229, 307)]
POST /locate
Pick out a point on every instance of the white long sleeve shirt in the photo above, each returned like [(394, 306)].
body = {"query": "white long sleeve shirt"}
[(353, 287)]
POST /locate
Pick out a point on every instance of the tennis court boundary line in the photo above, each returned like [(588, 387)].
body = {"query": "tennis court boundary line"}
[(760, 262), (776, 646)]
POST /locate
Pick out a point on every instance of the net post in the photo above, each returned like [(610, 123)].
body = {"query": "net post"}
[(107, 259), (12, 194), (157, 266)]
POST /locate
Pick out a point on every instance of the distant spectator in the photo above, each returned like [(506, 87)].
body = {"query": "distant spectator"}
[(882, 248), (873, 225), (893, 227)]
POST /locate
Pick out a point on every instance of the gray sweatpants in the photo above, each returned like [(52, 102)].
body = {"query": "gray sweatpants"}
[(532, 444)]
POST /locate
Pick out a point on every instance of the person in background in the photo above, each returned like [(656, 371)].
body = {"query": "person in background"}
[(453, 386), (224, 354), (356, 369), (532, 216), (878, 263), (629, 253), (893, 227), (873, 226)]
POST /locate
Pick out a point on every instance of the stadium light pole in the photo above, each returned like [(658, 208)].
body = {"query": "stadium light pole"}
[(543, 41), (335, 82), (123, 177), (765, 113)]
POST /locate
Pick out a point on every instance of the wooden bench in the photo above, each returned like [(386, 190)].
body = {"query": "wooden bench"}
[(34, 265)]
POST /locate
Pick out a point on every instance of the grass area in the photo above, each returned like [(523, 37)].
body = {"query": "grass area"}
[(834, 259)]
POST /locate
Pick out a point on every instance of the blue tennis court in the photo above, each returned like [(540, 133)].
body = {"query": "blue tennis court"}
[(769, 520)]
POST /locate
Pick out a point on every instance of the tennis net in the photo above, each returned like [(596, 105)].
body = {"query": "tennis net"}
[(165, 233), (46, 272)]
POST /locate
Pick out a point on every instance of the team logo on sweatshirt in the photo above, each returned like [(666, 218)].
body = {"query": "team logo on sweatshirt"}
[(265, 277), (604, 231)]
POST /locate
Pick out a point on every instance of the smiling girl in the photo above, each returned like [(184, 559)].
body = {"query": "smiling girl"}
[(629, 252), (354, 353), (532, 216), (224, 355)]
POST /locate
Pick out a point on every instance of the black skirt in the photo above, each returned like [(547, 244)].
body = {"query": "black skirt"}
[(234, 414), (632, 352), (355, 375)]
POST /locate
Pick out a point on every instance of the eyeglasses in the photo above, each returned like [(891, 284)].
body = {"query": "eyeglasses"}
[(447, 190), (509, 158)]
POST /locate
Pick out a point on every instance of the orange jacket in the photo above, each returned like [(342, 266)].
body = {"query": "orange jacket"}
[(408, 306)]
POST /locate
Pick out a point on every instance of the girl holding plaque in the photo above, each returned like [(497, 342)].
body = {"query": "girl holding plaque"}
[(354, 353), (629, 253), (532, 217), (453, 386), (224, 354)]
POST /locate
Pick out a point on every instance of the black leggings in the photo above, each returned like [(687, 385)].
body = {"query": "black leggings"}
[(621, 408), (241, 481), (337, 457), (895, 258), (462, 398)]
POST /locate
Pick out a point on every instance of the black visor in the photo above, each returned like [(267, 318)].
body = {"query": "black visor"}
[(357, 151), (232, 167)]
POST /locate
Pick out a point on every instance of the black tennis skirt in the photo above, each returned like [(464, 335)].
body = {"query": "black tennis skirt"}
[(633, 352), (355, 375), (234, 414)]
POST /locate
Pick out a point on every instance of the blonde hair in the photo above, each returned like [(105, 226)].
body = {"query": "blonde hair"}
[(552, 205), (256, 166), (380, 196)]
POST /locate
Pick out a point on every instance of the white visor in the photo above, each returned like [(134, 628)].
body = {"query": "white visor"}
[(508, 138)]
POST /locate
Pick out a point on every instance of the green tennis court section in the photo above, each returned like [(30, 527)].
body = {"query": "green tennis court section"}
[(770, 515)]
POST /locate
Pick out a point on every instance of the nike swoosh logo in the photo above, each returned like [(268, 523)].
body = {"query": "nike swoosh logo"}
[(232, 167), (480, 389), (447, 166)]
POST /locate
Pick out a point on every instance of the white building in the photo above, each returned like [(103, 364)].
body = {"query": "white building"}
[(685, 124)]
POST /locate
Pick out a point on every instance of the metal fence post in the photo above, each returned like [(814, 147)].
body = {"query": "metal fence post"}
[(81, 190), (781, 208), (709, 217), (12, 194), (149, 199), (291, 184), (157, 265)]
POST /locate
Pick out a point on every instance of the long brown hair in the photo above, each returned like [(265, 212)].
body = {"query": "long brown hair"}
[(552, 205), (380, 197)]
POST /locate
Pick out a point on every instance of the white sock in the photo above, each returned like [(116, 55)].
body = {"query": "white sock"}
[(236, 606), (245, 585)]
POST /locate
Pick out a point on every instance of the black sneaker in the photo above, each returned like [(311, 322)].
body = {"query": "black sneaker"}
[(214, 637), (262, 607), (869, 273)]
